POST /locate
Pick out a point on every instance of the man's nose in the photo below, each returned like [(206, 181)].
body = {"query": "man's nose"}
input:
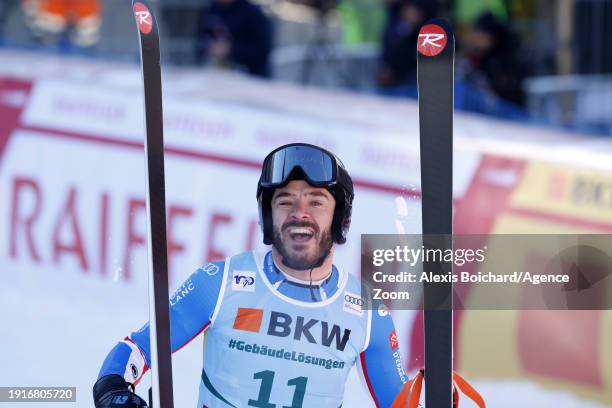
[(300, 210)]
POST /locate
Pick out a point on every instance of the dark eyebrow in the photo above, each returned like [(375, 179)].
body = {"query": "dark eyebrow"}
[(312, 193), (281, 195), (318, 194)]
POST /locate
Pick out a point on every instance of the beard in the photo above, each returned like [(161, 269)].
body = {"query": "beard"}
[(306, 261)]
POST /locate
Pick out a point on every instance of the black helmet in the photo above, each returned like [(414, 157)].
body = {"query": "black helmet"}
[(316, 166)]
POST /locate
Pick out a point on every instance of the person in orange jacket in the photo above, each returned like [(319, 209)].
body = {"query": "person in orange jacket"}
[(54, 17)]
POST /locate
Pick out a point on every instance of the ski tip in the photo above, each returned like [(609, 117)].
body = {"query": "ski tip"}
[(435, 36), (144, 16)]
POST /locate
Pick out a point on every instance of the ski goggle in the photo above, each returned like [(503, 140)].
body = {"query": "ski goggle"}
[(320, 167)]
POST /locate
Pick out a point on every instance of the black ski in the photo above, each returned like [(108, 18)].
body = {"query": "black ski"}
[(435, 71), (161, 363)]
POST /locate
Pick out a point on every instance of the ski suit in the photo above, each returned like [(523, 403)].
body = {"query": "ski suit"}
[(271, 340)]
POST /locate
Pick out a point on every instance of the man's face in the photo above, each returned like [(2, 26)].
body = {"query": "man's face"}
[(412, 15), (479, 42), (302, 216)]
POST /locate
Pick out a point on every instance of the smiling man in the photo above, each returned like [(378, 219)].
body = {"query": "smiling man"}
[(283, 328), (299, 211)]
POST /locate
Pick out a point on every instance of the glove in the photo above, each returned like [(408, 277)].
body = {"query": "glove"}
[(112, 391)]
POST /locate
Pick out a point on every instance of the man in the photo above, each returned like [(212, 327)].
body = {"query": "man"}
[(397, 62), (6, 7), (81, 17), (495, 59), (283, 328), (236, 34)]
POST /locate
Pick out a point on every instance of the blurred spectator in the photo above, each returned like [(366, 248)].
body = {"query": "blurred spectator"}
[(179, 23), (495, 60), (30, 7), (592, 37), (361, 20), (397, 68), (467, 11), (5, 9), (235, 34), (52, 19)]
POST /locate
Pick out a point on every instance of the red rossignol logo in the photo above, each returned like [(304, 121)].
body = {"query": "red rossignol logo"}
[(432, 40), (144, 19), (393, 340)]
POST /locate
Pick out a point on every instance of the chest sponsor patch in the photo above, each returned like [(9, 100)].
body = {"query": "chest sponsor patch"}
[(243, 281), (248, 319), (353, 304), (292, 327)]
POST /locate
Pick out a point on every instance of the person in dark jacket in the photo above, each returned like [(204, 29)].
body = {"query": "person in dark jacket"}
[(235, 34), (6, 7), (397, 65), (493, 52)]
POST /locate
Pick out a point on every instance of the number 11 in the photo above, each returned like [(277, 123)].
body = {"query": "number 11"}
[(267, 378)]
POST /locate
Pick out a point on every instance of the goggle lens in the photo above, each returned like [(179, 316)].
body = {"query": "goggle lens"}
[(317, 165)]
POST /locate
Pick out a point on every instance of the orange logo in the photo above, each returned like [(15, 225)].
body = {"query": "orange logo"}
[(248, 319)]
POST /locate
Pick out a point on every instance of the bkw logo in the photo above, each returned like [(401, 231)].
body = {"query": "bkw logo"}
[(283, 325)]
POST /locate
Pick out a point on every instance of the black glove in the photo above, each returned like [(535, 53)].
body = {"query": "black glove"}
[(112, 391)]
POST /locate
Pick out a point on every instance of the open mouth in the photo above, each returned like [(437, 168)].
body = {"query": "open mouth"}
[(300, 234)]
